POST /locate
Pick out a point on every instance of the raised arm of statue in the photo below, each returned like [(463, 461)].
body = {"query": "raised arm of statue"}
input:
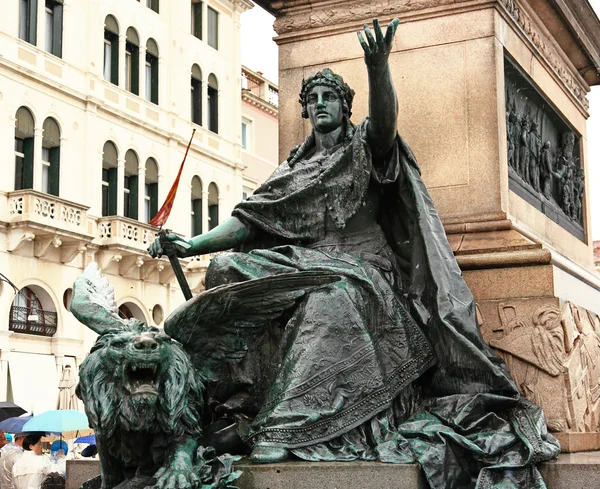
[(383, 105), (229, 234)]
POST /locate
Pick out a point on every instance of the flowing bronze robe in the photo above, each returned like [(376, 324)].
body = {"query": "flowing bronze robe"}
[(399, 328)]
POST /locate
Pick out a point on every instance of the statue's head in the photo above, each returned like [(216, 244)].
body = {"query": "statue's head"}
[(326, 99)]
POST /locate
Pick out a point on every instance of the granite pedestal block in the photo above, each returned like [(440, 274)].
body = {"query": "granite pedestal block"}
[(569, 471)]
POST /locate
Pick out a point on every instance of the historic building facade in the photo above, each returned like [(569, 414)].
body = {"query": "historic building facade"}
[(98, 101)]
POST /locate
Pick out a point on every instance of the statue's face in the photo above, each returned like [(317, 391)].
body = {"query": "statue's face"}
[(324, 108)]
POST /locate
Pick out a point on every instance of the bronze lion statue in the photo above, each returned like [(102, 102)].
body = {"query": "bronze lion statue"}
[(143, 398)]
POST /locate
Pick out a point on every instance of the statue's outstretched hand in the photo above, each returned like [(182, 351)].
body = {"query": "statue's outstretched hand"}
[(377, 48), (168, 244)]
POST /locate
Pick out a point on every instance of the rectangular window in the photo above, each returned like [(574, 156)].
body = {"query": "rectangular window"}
[(244, 135), (213, 28), (126, 193), (147, 209), (49, 27), (54, 14), (105, 192), (111, 57), (46, 170), (197, 19), (152, 4), (19, 162), (132, 68), (28, 21)]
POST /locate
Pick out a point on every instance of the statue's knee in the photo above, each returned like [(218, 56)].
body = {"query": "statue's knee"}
[(220, 270)]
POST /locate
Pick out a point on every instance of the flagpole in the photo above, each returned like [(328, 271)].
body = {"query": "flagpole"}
[(161, 218)]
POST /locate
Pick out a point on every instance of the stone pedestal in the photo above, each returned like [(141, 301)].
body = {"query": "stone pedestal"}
[(472, 76), (567, 472)]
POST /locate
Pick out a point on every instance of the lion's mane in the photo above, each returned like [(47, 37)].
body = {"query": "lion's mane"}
[(109, 407)]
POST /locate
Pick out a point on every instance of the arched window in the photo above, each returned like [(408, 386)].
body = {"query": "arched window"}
[(196, 95), (24, 133), (213, 104), (196, 206), (131, 185), (152, 71), (129, 310), (132, 61), (51, 157), (151, 190), (213, 206), (28, 315), (109, 179), (111, 50)]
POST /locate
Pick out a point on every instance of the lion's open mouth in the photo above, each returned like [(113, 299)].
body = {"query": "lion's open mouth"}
[(141, 378)]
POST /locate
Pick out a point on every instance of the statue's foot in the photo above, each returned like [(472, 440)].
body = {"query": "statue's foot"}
[(266, 454)]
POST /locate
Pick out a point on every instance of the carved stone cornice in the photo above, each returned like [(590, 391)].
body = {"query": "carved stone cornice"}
[(296, 15), (547, 51), (259, 103)]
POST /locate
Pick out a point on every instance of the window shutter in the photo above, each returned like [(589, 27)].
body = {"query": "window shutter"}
[(153, 199), (112, 191), (54, 176), (32, 24), (154, 81), (135, 70), (154, 5), (213, 214), (197, 223), (28, 163), (133, 196), (197, 14), (57, 30), (114, 59)]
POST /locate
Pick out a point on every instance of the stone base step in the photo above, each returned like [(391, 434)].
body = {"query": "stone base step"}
[(569, 471)]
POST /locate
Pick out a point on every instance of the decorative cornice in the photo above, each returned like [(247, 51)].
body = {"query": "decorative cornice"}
[(248, 96), (550, 54), (302, 14)]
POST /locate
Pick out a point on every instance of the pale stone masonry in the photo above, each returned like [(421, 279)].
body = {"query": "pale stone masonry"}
[(98, 101)]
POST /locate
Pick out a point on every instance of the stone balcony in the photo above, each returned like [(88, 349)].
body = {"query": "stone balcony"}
[(47, 221)]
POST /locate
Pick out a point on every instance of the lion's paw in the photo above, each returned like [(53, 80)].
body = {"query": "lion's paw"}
[(178, 476)]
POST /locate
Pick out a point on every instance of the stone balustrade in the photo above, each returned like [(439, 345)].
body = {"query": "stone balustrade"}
[(45, 209), (122, 231)]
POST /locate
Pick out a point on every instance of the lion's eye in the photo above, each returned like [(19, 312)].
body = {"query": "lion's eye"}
[(118, 344)]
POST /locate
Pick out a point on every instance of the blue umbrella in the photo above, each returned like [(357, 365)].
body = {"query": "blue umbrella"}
[(59, 421), (14, 425), (91, 439)]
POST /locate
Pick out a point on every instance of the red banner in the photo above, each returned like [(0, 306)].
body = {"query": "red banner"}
[(163, 213)]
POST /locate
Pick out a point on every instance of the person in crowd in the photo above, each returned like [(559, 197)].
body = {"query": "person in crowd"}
[(89, 451), (58, 457), (31, 468), (3, 440), (10, 453)]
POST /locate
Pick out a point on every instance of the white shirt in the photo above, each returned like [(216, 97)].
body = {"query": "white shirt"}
[(10, 454), (29, 471)]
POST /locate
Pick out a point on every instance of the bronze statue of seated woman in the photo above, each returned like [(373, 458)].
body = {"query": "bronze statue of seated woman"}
[(341, 328)]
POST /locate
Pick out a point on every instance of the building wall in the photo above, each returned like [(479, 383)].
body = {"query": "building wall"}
[(260, 113), (46, 252)]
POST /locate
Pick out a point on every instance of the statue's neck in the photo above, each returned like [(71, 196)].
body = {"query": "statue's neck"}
[(326, 141)]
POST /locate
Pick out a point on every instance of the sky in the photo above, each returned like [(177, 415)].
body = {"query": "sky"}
[(259, 53)]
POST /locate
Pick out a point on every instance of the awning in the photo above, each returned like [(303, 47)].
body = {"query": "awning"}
[(33, 381)]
